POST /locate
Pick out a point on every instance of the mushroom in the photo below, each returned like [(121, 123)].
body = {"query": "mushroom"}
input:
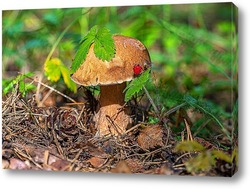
[(131, 58)]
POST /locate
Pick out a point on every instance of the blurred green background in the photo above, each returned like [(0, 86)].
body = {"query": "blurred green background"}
[(193, 48)]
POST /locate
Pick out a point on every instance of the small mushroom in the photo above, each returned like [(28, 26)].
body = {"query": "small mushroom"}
[(131, 58)]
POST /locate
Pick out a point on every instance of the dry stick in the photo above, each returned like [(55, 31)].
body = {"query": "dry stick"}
[(46, 157), (150, 153), (58, 92), (179, 165), (30, 112), (20, 154), (38, 89), (189, 134), (114, 125), (45, 97), (59, 148), (80, 115), (132, 128), (75, 159), (180, 157)]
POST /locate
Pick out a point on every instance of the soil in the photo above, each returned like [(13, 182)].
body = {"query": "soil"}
[(63, 139)]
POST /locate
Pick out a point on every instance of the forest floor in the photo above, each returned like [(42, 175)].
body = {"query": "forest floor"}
[(63, 139)]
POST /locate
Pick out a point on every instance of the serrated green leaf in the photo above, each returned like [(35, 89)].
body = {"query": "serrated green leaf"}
[(189, 146), (66, 78), (52, 70), (136, 85), (104, 45), (23, 87), (81, 53), (83, 50)]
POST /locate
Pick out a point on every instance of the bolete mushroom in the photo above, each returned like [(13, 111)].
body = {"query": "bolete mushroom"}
[(131, 59)]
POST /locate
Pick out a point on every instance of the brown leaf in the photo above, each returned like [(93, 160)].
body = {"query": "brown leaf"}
[(163, 170), (37, 154), (60, 165), (18, 164), (150, 137), (135, 165), (97, 162), (5, 164), (121, 167), (97, 152)]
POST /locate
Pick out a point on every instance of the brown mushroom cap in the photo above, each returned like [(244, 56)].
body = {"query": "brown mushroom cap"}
[(129, 53)]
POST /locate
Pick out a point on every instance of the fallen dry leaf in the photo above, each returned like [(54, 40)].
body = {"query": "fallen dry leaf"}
[(150, 137), (121, 167), (97, 152), (163, 170), (60, 165), (18, 164), (135, 165), (5, 164), (97, 162)]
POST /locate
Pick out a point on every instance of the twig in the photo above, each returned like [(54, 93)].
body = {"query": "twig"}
[(58, 92), (189, 134), (59, 148), (186, 154), (179, 165), (152, 152), (132, 128)]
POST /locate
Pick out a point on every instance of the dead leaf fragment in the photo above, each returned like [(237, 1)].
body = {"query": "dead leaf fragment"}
[(135, 165), (150, 137), (163, 170), (97, 152), (121, 167), (18, 164), (5, 164), (97, 162), (60, 165)]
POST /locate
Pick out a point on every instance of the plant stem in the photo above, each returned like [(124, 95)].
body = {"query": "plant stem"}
[(61, 36), (151, 100)]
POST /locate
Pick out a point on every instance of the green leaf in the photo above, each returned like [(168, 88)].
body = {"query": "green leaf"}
[(81, 54), (52, 70), (104, 47), (189, 146), (25, 87), (207, 110), (22, 86), (83, 49), (66, 78), (136, 85)]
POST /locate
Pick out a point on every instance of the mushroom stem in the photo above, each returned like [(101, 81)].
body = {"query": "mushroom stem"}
[(112, 117)]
